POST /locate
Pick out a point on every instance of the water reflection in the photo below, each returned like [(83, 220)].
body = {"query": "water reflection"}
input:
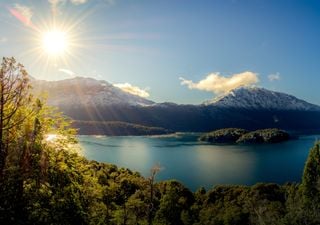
[(197, 164), (134, 153), (225, 164)]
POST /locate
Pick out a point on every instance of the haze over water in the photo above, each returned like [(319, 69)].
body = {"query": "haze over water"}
[(197, 164)]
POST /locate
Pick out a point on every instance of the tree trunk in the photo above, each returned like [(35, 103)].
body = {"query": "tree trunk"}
[(3, 153)]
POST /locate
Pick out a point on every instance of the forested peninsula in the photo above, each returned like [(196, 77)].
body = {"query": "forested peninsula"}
[(242, 136)]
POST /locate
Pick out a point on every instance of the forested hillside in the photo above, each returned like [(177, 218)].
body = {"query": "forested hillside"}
[(87, 99), (115, 128), (45, 181)]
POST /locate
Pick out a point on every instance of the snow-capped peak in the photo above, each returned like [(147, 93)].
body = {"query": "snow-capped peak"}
[(86, 91), (261, 98)]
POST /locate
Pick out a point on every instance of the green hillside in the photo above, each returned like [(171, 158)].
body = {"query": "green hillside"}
[(45, 181)]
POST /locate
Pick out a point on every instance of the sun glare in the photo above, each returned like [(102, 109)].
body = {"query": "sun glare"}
[(55, 42), (51, 137)]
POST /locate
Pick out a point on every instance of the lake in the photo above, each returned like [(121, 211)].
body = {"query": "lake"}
[(196, 164)]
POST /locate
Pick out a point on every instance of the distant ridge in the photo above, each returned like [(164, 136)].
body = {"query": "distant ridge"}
[(86, 91), (261, 98), (87, 99)]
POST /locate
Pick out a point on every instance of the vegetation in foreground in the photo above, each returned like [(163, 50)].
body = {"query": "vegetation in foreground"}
[(44, 181), (241, 136)]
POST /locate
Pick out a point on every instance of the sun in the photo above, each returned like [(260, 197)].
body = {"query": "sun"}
[(55, 42)]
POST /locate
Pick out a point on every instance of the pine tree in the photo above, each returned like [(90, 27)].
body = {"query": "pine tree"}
[(310, 187), (311, 175)]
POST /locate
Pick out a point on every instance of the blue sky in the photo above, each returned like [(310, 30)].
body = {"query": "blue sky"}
[(158, 45)]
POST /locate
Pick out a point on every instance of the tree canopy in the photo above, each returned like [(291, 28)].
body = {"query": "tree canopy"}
[(45, 181)]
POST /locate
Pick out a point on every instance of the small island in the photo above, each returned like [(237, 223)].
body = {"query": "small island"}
[(228, 135), (241, 136)]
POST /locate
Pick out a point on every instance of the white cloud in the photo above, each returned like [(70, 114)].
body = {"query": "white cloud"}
[(111, 2), (78, 2), (3, 40), (219, 84), (55, 2), (54, 5), (133, 89), (274, 77), (68, 72)]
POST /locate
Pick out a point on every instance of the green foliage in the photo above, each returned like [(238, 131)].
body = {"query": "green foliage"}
[(45, 181), (310, 186), (236, 135), (228, 135), (174, 204), (264, 136), (116, 128), (15, 107), (311, 175), (224, 205)]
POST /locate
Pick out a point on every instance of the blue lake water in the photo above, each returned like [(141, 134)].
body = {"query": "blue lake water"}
[(196, 164)]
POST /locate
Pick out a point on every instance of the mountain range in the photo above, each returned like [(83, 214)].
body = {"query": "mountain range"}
[(90, 101)]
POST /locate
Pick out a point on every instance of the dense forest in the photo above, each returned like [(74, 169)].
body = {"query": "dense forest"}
[(45, 181), (116, 128), (242, 136)]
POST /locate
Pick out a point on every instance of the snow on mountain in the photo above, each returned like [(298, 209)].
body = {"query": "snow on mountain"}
[(87, 99), (260, 98), (86, 91), (82, 91)]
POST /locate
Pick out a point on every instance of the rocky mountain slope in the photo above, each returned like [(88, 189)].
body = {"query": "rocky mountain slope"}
[(260, 98), (86, 99), (86, 91)]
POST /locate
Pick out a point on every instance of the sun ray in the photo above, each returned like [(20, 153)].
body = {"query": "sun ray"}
[(64, 41)]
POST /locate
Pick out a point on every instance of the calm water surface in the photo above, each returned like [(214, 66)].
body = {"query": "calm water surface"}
[(197, 164)]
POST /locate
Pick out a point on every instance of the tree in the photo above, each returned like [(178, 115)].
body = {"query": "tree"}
[(175, 203), (154, 171), (310, 186), (28, 163), (311, 175), (15, 100)]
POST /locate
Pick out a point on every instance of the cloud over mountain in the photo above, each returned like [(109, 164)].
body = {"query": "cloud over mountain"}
[(219, 84), (133, 89), (66, 71), (274, 77)]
